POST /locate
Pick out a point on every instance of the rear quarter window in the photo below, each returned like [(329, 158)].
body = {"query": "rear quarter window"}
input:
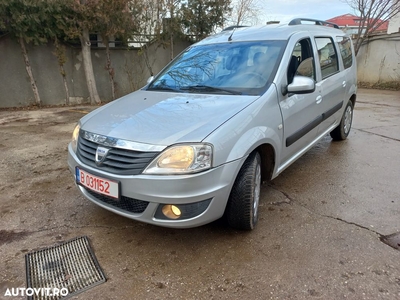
[(345, 51)]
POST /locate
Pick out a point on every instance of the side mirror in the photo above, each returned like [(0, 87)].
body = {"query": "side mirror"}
[(301, 85), (151, 78)]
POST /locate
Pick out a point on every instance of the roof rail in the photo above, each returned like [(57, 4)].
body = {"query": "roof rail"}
[(233, 27), (299, 21)]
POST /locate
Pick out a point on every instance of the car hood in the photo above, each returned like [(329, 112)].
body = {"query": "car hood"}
[(164, 118)]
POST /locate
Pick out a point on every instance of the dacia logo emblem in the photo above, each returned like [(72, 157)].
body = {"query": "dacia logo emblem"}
[(101, 154)]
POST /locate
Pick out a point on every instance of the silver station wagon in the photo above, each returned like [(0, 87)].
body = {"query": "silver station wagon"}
[(228, 113)]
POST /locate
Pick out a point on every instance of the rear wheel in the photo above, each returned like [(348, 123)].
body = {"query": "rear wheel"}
[(342, 131), (242, 208)]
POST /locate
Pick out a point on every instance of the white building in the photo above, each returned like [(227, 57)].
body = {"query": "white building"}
[(394, 24)]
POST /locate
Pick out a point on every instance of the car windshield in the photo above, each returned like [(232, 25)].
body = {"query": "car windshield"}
[(245, 68)]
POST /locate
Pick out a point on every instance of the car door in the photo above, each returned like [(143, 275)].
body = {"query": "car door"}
[(331, 81), (300, 113)]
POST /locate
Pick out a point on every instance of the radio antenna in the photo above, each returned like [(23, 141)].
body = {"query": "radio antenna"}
[(230, 37)]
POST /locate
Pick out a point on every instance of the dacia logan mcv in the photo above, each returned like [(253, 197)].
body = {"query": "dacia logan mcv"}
[(228, 113)]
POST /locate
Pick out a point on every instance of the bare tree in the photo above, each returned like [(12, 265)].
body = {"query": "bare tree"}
[(149, 15), (157, 22), (373, 13), (245, 12)]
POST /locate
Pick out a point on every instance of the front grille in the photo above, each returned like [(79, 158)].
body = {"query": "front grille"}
[(118, 161), (125, 203)]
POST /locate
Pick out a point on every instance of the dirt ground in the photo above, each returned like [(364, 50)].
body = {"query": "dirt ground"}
[(318, 236)]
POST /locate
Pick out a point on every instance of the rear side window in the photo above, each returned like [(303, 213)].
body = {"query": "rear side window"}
[(345, 51), (327, 56)]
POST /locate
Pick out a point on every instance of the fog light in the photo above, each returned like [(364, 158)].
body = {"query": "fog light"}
[(182, 211), (171, 211)]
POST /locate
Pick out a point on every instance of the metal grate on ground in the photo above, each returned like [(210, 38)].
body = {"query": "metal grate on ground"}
[(70, 265)]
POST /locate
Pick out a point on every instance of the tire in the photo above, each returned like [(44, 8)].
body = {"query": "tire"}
[(341, 132), (242, 208)]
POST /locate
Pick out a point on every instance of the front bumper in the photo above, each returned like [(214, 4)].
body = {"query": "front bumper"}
[(214, 185)]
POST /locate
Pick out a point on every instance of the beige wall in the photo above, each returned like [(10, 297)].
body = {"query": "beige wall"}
[(131, 72), (378, 61)]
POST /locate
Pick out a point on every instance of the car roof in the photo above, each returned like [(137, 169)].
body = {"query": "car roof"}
[(268, 32)]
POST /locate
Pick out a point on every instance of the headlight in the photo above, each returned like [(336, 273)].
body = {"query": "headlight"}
[(75, 135), (182, 159)]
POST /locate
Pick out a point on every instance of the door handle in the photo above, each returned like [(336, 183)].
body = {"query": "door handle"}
[(319, 99), (344, 83)]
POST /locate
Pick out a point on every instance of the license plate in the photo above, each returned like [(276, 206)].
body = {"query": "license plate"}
[(98, 184)]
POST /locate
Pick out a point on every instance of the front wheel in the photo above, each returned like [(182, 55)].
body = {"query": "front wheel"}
[(242, 208), (342, 131)]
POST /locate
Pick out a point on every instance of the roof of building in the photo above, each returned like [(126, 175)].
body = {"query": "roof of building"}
[(353, 21)]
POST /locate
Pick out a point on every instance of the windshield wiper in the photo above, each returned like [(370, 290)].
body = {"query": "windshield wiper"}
[(207, 88), (163, 88)]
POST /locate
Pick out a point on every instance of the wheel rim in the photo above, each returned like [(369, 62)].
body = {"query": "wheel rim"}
[(257, 188), (347, 119)]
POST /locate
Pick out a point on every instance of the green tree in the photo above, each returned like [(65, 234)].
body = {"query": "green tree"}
[(26, 21), (114, 20), (105, 17), (55, 21), (202, 17), (80, 19), (62, 59), (172, 25)]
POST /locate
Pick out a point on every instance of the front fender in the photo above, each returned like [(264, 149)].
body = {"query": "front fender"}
[(257, 124), (252, 139)]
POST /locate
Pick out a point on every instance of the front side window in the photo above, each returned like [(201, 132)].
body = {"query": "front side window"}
[(236, 68), (327, 56), (345, 51), (302, 61)]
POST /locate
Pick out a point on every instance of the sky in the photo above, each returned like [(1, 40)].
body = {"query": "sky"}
[(286, 10)]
